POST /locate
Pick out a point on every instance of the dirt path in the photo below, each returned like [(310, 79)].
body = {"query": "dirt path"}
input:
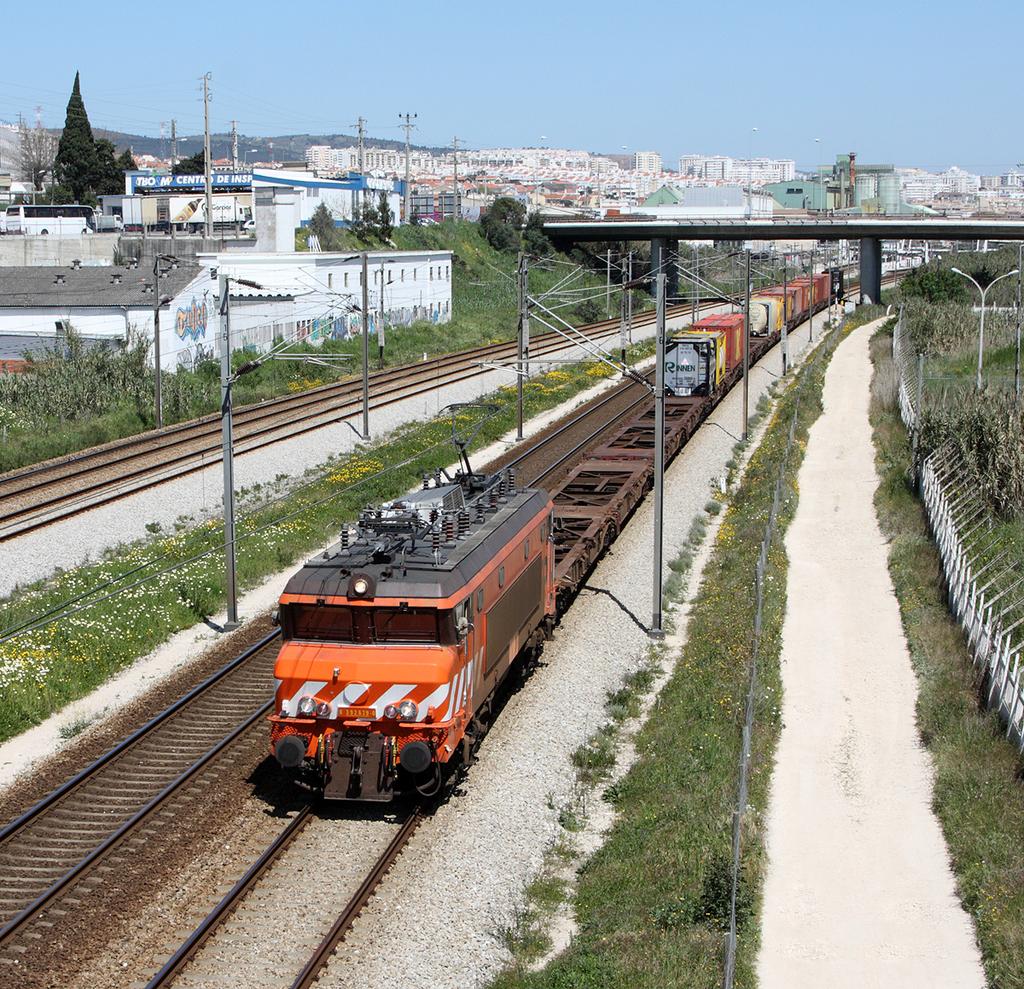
[(859, 891)]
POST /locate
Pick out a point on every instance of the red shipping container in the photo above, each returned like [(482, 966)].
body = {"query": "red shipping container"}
[(732, 325), (822, 286), (803, 292)]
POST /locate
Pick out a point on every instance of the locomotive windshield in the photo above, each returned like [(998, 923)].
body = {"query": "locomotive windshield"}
[(333, 623)]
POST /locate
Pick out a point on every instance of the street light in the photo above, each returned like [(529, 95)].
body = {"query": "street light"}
[(981, 329), (245, 156)]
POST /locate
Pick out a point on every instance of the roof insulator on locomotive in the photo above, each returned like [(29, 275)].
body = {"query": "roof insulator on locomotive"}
[(426, 481), (449, 528), (463, 523), (479, 511), (437, 477), (435, 538), (512, 482), (344, 537), (492, 499)]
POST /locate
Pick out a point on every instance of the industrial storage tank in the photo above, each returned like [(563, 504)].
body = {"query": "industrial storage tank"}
[(865, 187), (889, 193)]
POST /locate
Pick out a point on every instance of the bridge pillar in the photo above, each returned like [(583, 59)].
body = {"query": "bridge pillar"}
[(870, 270), (660, 262)]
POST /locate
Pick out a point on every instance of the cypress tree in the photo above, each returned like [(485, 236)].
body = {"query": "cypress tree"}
[(75, 164)]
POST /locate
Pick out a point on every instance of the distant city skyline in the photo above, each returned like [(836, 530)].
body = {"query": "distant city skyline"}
[(574, 75)]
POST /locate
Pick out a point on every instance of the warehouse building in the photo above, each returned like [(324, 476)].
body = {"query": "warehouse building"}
[(301, 296)]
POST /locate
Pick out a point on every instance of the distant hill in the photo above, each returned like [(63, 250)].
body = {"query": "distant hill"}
[(286, 147)]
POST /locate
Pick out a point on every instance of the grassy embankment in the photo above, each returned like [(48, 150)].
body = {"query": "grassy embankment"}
[(979, 796), (652, 904), (101, 396), (42, 670)]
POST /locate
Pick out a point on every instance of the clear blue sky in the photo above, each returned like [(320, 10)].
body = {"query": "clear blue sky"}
[(915, 82)]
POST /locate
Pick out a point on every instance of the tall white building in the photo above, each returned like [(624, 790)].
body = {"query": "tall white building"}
[(752, 171), (647, 161)]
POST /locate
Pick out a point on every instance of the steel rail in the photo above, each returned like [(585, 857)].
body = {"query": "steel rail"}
[(311, 970), (213, 920), (44, 898), (126, 743)]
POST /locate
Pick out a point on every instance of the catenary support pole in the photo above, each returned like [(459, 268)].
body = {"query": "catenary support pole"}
[(380, 321), (608, 283), (520, 332), (227, 452), (810, 304), (785, 313), (696, 284), (656, 631), (629, 302), (622, 317), (366, 347), (157, 398), (746, 346)]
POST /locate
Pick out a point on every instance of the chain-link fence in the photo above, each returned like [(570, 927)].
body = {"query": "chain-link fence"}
[(751, 701), (984, 576)]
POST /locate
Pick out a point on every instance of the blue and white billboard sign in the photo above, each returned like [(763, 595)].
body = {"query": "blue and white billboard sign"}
[(143, 182)]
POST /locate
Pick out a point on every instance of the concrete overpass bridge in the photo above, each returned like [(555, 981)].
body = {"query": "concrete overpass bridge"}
[(871, 231)]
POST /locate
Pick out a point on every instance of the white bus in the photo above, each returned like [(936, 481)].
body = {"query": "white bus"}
[(69, 220)]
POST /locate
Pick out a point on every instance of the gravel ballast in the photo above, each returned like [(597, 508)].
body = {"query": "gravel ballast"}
[(439, 916)]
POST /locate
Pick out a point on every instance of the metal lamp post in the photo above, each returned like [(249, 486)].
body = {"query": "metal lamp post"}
[(981, 329), (226, 381)]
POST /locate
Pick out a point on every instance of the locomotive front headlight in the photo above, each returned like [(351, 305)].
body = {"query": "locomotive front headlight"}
[(307, 705), (361, 586), (323, 710), (391, 711), (408, 710)]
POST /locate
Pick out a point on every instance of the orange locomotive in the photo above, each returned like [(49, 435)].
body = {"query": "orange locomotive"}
[(396, 639)]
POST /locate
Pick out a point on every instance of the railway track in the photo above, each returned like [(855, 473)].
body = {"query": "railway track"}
[(319, 958), (37, 496), (56, 843)]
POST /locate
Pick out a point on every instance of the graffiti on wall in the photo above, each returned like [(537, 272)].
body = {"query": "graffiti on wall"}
[(190, 322)]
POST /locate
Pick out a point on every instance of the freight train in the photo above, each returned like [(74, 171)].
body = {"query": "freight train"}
[(709, 349), (397, 639)]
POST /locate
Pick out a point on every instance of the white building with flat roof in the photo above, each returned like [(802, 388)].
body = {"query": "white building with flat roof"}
[(721, 168), (318, 296), (647, 161)]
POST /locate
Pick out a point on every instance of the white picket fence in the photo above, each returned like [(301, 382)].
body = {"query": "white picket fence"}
[(985, 590)]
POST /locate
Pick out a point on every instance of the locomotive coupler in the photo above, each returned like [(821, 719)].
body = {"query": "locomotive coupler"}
[(361, 767)]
